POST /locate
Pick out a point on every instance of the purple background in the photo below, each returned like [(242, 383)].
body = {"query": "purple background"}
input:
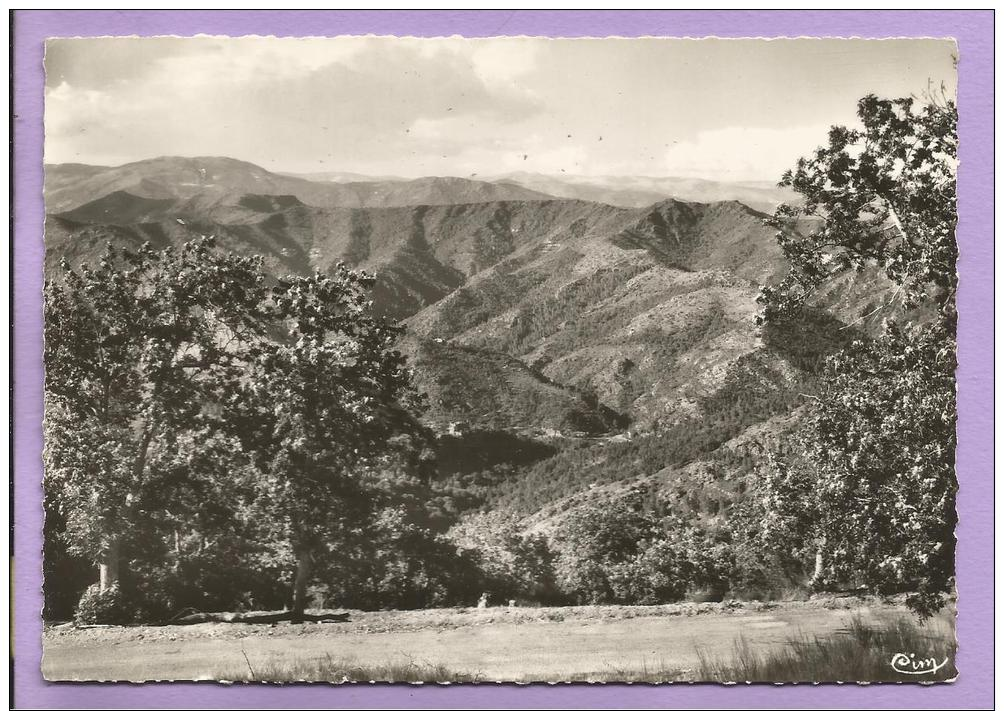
[(974, 32)]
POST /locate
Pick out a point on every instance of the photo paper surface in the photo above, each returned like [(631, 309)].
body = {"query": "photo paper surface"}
[(455, 360)]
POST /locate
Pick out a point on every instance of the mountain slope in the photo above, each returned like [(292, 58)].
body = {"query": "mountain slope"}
[(488, 390), (419, 253), (628, 307)]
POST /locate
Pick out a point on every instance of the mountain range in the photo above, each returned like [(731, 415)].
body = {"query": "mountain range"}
[(619, 190), (639, 191), (212, 181), (612, 336)]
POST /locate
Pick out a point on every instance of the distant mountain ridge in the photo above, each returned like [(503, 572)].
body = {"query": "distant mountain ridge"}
[(639, 191), (70, 185), (215, 180), (342, 176), (617, 190)]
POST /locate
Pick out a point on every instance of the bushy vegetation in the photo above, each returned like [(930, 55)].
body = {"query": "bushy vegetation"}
[(869, 483), (512, 564), (501, 393), (750, 394), (486, 297), (625, 552), (493, 241), (546, 316), (103, 607), (212, 438)]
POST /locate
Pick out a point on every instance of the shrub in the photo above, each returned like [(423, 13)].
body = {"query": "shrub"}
[(225, 576), (510, 562), (397, 563), (624, 552), (103, 607), (656, 575)]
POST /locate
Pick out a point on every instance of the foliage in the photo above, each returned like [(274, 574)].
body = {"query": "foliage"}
[(884, 194), (512, 563), (323, 397), (212, 572), (230, 437), (65, 577), (482, 299), (873, 485), (751, 393), (567, 317), (500, 393), (772, 529), (211, 432), (103, 607), (133, 352), (625, 552), (410, 567), (398, 560)]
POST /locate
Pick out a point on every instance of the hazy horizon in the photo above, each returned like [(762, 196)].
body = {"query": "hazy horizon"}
[(488, 176), (722, 110)]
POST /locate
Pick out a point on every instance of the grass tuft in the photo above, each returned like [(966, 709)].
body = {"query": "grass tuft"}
[(338, 671), (861, 652)]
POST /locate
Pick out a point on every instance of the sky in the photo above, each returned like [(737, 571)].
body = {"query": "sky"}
[(740, 110)]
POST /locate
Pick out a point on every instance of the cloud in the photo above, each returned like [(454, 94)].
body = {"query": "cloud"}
[(410, 106), (530, 154), (505, 62), (273, 101), (741, 153)]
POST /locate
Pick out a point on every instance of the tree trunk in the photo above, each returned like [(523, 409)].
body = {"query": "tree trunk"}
[(108, 567), (817, 571), (304, 567), (190, 616), (176, 566)]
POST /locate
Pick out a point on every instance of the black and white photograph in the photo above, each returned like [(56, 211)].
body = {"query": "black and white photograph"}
[(515, 359)]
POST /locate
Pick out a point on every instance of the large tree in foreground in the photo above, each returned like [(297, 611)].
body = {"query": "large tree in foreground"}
[(872, 487), (135, 349), (324, 400), (188, 400)]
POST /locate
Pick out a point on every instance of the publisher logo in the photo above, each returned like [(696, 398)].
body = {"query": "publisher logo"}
[(912, 664)]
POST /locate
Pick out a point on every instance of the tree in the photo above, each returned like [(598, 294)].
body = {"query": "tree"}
[(882, 195), (595, 539), (774, 526), (134, 352), (397, 559), (325, 397), (512, 562), (190, 404), (873, 485)]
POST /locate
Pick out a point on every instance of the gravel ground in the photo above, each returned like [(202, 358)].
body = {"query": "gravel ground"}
[(520, 644)]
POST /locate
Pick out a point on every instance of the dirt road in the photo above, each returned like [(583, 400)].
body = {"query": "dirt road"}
[(544, 644)]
